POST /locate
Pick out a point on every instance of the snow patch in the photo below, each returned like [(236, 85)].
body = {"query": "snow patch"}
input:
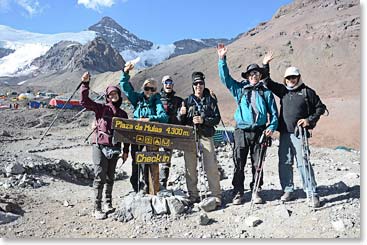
[(153, 56), (18, 63), (29, 46)]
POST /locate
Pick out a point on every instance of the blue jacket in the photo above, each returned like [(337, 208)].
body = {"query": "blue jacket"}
[(151, 108), (243, 115)]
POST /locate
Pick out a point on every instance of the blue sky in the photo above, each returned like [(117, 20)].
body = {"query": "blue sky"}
[(159, 21)]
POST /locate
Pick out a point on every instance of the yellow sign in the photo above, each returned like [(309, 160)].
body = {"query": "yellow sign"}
[(165, 142), (140, 139), (152, 157), (148, 140)]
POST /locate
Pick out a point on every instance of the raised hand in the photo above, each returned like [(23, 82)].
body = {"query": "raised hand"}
[(128, 67), (86, 77), (183, 109), (268, 57), (221, 50)]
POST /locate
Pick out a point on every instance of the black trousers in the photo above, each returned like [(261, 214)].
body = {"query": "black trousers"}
[(104, 175), (138, 170), (244, 142), (164, 171)]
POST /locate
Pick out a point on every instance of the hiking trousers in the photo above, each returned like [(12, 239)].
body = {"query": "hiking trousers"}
[(104, 175), (290, 148), (244, 142), (210, 167)]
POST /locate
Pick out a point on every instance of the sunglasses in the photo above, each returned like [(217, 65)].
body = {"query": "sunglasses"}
[(198, 83), (150, 89), (169, 82), (254, 73), (291, 77)]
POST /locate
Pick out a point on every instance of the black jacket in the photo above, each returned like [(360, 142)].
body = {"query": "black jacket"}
[(207, 108), (293, 105), (171, 104)]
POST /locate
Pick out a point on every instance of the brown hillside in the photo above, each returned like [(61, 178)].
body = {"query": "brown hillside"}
[(322, 38)]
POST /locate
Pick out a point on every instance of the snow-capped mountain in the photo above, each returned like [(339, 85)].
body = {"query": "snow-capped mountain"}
[(27, 46), (118, 37), (19, 48)]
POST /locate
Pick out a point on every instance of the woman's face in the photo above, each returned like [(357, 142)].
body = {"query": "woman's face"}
[(113, 96), (149, 90), (291, 81)]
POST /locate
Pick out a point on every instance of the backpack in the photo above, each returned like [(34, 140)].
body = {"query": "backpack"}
[(261, 93)]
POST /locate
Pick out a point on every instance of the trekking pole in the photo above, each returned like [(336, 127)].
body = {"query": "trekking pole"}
[(84, 109), (224, 126), (86, 139), (265, 142), (225, 131), (198, 160), (306, 161), (49, 127)]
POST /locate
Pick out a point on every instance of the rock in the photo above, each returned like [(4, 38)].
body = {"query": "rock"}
[(175, 206), (123, 215), (338, 225), (204, 219), (208, 204), (142, 209), (14, 168), (10, 207), (159, 205), (5, 133), (252, 221), (7, 217), (66, 203)]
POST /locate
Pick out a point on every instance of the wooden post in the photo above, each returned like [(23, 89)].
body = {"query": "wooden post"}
[(153, 178), (153, 173)]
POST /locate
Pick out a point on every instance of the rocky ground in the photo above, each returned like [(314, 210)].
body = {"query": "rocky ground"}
[(45, 191)]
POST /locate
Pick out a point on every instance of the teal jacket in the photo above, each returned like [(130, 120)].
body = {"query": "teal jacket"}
[(151, 108), (243, 115)]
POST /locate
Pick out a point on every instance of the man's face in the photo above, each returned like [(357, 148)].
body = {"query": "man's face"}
[(198, 88), (291, 81), (168, 86), (254, 77)]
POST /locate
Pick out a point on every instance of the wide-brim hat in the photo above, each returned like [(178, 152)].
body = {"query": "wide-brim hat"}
[(253, 67)]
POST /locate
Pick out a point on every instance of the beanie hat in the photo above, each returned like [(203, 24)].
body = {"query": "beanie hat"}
[(197, 76)]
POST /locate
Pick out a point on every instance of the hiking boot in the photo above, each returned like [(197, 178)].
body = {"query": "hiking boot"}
[(286, 197), (99, 215), (108, 208), (238, 198), (315, 202), (193, 199), (257, 198)]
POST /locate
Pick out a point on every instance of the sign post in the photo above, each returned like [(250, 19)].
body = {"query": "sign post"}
[(153, 135)]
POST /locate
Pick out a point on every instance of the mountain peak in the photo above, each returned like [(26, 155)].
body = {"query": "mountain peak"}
[(120, 38)]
